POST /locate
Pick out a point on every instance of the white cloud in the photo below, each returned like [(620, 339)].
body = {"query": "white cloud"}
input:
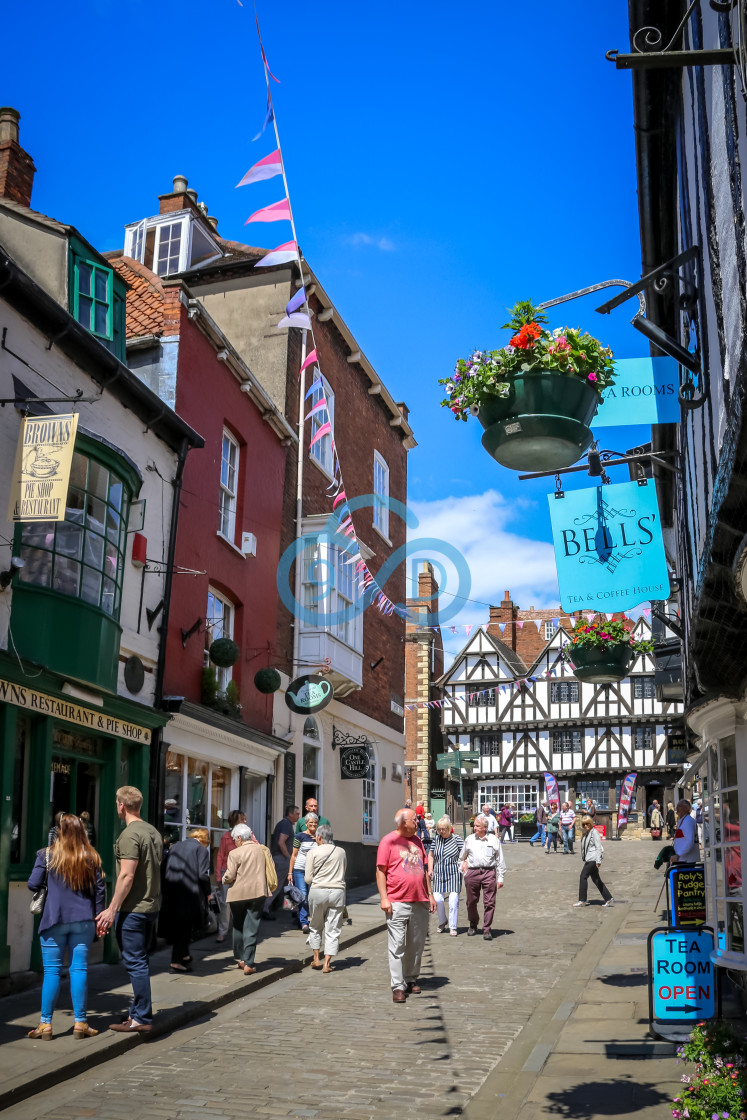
[(486, 530), (383, 243)]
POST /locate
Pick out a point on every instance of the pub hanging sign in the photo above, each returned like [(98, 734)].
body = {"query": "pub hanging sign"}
[(608, 546), (355, 760), (308, 694), (41, 472)]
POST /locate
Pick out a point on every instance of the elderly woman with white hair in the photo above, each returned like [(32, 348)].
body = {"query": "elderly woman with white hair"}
[(324, 872), (483, 866), (251, 878), (443, 871)]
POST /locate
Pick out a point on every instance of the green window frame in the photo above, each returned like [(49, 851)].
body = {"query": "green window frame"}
[(83, 556), (93, 297)]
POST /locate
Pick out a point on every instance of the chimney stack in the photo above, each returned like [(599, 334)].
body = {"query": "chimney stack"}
[(182, 197), (16, 166), (503, 614)]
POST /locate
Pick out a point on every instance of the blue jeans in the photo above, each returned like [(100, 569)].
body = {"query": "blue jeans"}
[(303, 908), (77, 936), (539, 834), (134, 937), (568, 837)]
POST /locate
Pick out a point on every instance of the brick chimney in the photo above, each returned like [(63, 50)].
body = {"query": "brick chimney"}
[(504, 613), (182, 197), (16, 166)]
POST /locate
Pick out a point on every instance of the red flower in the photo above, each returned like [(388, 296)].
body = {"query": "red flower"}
[(527, 336)]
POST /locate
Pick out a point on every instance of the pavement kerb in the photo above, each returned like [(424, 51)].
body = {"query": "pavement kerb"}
[(509, 1084), (13, 1092)]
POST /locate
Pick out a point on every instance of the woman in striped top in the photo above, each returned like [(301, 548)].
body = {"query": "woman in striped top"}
[(443, 871)]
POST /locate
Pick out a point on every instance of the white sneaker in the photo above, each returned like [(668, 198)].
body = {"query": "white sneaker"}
[(610, 902), (581, 904)]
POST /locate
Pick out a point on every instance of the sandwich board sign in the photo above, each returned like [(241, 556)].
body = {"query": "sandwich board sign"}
[(682, 980)]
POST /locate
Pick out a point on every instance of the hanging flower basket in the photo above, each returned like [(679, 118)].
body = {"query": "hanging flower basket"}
[(267, 680), (602, 652), (537, 396), (224, 652)]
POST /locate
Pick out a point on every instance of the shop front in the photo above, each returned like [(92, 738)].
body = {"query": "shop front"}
[(64, 750)]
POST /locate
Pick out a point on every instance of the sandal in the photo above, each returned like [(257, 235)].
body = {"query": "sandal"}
[(179, 968), (43, 1031), (317, 964), (249, 970), (82, 1030)]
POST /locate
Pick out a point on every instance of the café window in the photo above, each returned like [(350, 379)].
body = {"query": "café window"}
[(564, 692), (594, 790), (524, 795), (197, 794), (83, 556)]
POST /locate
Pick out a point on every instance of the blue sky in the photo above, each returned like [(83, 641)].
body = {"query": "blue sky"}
[(443, 160)]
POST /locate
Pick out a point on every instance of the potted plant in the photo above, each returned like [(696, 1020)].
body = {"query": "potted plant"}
[(535, 397), (602, 652), (716, 1081)]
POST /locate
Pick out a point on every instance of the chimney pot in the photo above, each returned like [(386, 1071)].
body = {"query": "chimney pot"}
[(213, 221), (180, 184), (9, 119), (191, 193)]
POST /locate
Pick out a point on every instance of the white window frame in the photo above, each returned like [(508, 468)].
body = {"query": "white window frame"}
[(186, 219), (381, 496), (316, 743), (183, 242), (227, 499), (524, 795), (370, 801), (219, 622), (322, 452), (135, 245), (324, 565), (549, 630)]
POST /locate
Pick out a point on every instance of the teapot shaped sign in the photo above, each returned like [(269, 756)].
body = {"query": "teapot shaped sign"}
[(309, 694)]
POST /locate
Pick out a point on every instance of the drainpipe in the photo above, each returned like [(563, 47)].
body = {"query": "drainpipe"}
[(158, 751)]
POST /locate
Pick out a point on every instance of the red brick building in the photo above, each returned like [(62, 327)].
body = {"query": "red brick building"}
[(315, 622), (424, 665)]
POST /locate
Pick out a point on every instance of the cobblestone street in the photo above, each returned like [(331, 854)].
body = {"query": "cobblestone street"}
[(335, 1046)]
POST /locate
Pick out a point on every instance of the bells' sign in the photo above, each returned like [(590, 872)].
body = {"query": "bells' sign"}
[(608, 547)]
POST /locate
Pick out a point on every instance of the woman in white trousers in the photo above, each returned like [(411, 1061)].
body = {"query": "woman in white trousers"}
[(443, 870)]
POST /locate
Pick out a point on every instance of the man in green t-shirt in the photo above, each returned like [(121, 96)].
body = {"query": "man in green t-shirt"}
[(134, 907), (311, 806)]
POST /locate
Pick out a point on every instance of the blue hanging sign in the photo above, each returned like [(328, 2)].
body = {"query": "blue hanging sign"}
[(609, 550), (645, 392)]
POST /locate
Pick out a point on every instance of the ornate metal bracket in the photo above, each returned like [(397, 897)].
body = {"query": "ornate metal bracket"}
[(648, 52), (343, 739), (692, 393)]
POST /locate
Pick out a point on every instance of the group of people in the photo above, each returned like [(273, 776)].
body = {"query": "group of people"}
[(552, 824)]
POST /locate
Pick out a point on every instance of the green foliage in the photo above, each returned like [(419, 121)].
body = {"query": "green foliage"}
[(209, 686), (531, 349), (602, 634), (715, 1090), (232, 700)]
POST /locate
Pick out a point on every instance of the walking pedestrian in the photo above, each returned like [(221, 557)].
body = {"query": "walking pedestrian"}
[(185, 879), (657, 822), (489, 813), (324, 874), (71, 870), (540, 819), (553, 827), (567, 827), (483, 867), (686, 847), (221, 863), (671, 821), (133, 910), (280, 850), (251, 880), (303, 842), (422, 831), (505, 823), (443, 871), (591, 853), (406, 899), (311, 805)]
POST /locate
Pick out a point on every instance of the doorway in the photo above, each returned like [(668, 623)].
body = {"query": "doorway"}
[(75, 777)]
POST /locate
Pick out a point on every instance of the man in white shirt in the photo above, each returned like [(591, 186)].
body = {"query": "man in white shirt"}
[(483, 868), (686, 848), (567, 827), (489, 814)]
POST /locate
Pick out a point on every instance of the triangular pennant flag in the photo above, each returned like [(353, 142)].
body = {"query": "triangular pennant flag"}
[(555, 623), (297, 319), (340, 497), (468, 630), (284, 254), (590, 618), (572, 619), (318, 384), (276, 212), (311, 358), (538, 624), (647, 611), (322, 404), (520, 625), (453, 629), (321, 432), (296, 301), (265, 168), (269, 118), (264, 56), (502, 627)]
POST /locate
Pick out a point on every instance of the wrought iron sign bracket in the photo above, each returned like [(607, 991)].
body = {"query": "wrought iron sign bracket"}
[(649, 54), (692, 394), (606, 459), (343, 739)]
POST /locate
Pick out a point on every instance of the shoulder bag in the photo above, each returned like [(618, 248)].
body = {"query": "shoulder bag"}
[(39, 897), (270, 872)]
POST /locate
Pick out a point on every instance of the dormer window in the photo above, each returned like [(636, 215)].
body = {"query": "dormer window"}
[(171, 243)]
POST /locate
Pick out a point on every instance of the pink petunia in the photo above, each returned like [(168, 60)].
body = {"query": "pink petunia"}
[(592, 377)]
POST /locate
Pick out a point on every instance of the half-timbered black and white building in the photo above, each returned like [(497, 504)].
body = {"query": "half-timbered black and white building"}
[(526, 719)]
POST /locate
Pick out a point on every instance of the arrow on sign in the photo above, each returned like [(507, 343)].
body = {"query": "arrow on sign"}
[(686, 1007)]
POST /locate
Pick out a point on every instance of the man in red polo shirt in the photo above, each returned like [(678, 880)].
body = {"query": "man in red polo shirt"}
[(406, 899)]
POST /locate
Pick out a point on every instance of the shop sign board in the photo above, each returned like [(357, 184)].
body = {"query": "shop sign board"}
[(309, 694), (41, 472), (645, 391), (681, 975), (355, 762), (608, 546), (687, 897), (42, 704)]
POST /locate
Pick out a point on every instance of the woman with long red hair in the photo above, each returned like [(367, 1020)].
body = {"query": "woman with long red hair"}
[(75, 896)]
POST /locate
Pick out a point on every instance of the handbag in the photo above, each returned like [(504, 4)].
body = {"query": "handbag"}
[(656, 834), (39, 897), (270, 872)]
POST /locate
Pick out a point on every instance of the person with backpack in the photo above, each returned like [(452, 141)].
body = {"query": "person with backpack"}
[(592, 853)]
